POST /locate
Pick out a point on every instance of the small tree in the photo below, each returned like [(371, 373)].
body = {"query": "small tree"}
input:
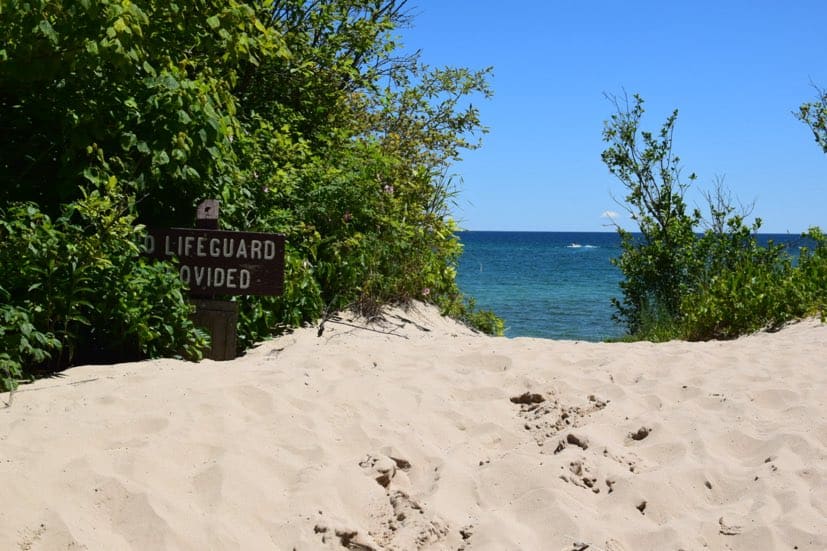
[(657, 265), (681, 283), (814, 115)]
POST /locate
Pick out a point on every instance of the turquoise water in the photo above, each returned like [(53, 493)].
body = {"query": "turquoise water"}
[(555, 285), (544, 284)]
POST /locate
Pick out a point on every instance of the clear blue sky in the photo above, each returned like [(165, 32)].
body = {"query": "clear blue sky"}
[(736, 70)]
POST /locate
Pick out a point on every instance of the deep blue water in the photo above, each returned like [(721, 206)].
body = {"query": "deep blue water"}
[(555, 285)]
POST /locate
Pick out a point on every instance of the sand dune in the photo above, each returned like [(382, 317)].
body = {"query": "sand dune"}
[(419, 434)]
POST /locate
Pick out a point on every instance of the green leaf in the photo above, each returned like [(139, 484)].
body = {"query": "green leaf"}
[(128, 140), (120, 26), (48, 31), (160, 158)]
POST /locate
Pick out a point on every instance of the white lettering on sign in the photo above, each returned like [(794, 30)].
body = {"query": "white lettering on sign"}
[(215, 278), (218, 277), (222, 262), (214, 247), (200, 249), (188, 244)]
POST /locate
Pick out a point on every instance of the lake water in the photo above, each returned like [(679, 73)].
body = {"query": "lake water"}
[(555, 285)]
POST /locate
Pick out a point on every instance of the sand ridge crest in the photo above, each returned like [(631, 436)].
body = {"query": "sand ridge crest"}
[(414, 432)]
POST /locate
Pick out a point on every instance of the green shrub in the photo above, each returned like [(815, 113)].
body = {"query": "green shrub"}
[(484, 320), (21, 344), (682, 284), (658, 265), (738, 300), (82, 286), (808, 285), (142, 312)]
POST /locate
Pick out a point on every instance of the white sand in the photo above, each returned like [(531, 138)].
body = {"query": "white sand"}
[(363, 440)]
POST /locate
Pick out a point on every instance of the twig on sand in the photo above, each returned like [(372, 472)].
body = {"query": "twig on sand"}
[(406, 320), (364, 328)]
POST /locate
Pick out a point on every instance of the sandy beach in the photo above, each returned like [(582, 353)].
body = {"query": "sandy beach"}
[(416, 433)]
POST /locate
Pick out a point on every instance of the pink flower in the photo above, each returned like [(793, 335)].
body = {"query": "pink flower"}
[(426, 291)]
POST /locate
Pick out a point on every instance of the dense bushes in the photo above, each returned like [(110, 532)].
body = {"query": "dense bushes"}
[(85, 291), (302, 118), (680, 283)]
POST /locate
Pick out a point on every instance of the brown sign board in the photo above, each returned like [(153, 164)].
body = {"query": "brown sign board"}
[(217, 262)]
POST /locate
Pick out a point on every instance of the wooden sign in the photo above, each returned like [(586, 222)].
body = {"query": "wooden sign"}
[(217, 262)]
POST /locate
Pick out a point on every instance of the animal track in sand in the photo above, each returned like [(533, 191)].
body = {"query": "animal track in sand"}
[(545, 416)]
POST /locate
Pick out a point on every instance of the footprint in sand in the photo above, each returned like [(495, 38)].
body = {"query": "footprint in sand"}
[(408, 524), (580, 441), (383, 468), (209, 484), (133, 513), (255, 400), (544, 416), (580, 475)]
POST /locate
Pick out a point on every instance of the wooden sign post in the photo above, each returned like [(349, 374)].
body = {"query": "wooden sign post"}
[(214, 262)]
